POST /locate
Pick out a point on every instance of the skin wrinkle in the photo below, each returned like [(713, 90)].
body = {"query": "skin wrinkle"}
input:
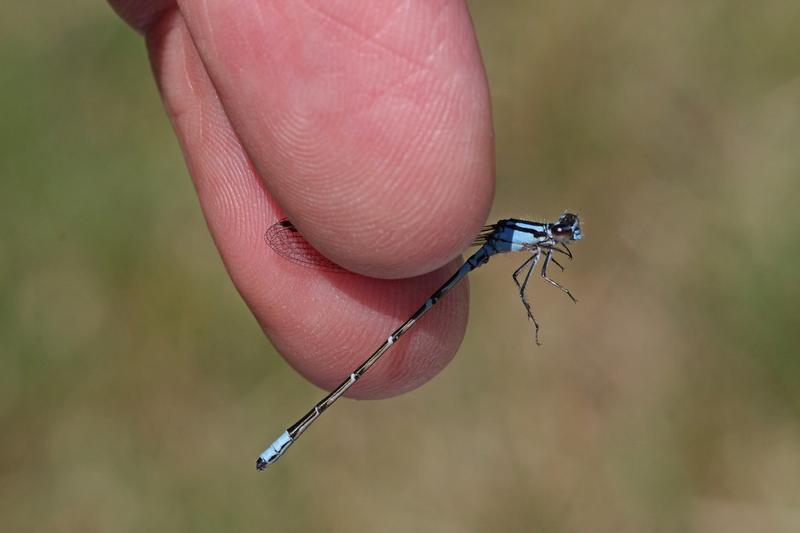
[(440, 45), (270, 54), (205, 43), (369, 39), (143, 14), (356, 181), (220, 192), (155, 43), (223, 140), (403, 79), (421, 147), (209, 29), (390, 18), (379, 94), (259, 12), (213, 137)]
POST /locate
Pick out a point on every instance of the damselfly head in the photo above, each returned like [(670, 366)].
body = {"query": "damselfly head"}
[(568, 228)]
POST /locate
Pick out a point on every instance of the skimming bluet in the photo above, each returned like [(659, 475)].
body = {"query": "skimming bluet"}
[(540, 239)]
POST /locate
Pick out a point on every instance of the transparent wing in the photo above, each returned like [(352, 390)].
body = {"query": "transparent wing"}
[(287, 242)]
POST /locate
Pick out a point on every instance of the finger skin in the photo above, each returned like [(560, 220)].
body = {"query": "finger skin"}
[(324, 324), (141, 14), (369, 121)]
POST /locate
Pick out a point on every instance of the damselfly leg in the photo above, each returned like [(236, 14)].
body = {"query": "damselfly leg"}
[(548, 256), (557, 263), (523, 287)]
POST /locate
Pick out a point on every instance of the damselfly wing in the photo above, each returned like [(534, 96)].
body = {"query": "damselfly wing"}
[(287, 242)]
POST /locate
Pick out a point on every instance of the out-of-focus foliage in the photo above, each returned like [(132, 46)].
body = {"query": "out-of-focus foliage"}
[(133, 379)]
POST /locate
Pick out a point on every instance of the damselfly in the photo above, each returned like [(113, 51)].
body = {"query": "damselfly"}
[(541, 239)]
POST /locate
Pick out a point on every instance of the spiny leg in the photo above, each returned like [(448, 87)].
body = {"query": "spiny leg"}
[(559, 250), (568, 251), (547, 258), (522, 290), (523, 265)]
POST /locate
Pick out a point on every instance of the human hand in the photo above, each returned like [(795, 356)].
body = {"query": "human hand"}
[(368, 124)]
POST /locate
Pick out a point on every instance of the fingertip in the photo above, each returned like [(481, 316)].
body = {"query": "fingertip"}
[(141, 14), (370, 122)]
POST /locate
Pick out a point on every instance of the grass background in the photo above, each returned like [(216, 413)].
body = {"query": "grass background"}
[(133, 379)]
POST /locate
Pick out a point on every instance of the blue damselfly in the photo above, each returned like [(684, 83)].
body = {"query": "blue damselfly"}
[(541, 239)]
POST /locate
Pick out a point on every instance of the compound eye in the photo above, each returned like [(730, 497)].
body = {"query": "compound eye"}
[(562, 231), (568, 219)]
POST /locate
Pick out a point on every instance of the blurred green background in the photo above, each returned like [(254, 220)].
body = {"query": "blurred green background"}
[(133, 378)]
